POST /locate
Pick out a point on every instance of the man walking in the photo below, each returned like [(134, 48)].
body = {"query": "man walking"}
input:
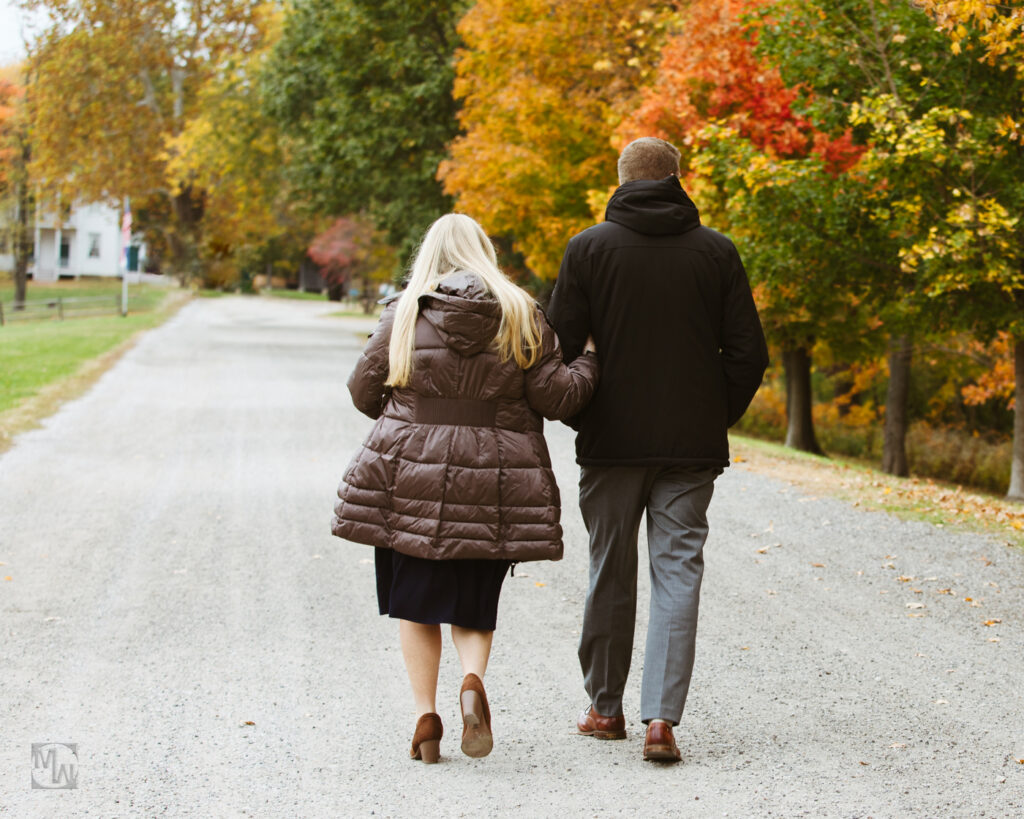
[(682, 354)]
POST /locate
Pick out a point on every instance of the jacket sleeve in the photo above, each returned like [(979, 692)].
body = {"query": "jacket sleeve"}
[(553, 388), (743, 348), (569, 308), (366, 384)]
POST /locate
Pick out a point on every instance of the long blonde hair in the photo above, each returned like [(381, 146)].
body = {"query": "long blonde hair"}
[(455, 242)]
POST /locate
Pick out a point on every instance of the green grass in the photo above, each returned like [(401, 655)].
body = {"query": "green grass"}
[(919, 498), (293, 294), (36, 353), (358, 313), (140, 296)]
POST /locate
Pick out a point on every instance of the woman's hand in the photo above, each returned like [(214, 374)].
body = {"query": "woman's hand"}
[(589, 347)]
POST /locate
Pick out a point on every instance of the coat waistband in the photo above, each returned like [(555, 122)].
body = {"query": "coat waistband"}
[(456, 411)]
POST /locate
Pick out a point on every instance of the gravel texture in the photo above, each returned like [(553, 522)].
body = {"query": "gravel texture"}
[(179, 610)]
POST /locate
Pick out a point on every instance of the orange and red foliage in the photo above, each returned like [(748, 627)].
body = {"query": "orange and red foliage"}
[(338, 249), (10, 94), (709, 72), (997, 382)]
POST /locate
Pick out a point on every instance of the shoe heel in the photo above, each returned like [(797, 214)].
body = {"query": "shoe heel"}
[(472, 708), (477, 740), (430, 751)]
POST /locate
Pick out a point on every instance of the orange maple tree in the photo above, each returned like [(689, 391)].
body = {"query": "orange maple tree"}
[(543, 83), (709, 71)]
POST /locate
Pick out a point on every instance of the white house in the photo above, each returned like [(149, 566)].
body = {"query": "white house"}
[(86, 242)]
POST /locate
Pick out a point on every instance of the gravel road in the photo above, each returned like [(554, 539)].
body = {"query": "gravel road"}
[(177, 608)]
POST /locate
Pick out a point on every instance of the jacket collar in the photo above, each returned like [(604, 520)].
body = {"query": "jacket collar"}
[(656, 207)]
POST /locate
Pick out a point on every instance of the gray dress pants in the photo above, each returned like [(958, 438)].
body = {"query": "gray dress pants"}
[(612, 500)]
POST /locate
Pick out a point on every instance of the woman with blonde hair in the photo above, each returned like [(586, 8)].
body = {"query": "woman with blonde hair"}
[(454, 482)]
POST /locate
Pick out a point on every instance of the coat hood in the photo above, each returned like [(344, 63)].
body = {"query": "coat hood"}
[(656, 207), (463, 312)]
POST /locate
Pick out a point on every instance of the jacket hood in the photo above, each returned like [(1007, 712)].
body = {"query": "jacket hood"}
[(656, 207), (463, 312)]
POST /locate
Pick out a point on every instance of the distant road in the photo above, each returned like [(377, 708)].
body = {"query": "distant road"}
[(178, 609)]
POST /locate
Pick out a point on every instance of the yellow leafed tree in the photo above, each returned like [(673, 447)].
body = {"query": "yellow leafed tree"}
[(543, 84)]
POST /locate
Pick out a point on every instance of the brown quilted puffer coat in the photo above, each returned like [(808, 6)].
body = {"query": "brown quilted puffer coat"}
[(456, 465)]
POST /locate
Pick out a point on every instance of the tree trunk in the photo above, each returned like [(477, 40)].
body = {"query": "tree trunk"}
[(796, 363), (1016, 491), (894, 446)]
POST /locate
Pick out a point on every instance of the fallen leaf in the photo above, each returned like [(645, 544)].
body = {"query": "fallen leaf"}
[(993, 639), (8, 577), (763, 550), (941, 702), (943, 591), (913, 614), (248, 722), (738, 459), (898, 745), (968, 599), (1020, 761), (915, 605), (539, 584), (744, 648), (917, 591), (818, 565), (903, 578), (865, 763), (993, 621)]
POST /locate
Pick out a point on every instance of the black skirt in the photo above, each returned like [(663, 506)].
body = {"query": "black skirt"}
[(461, 592)]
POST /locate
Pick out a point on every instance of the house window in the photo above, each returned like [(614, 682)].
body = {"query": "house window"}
[(65, 251), (94, 245)]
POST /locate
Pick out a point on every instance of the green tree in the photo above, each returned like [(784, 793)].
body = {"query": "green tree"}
[(113, 81), (945, 164), (363, 91), (231, 150)]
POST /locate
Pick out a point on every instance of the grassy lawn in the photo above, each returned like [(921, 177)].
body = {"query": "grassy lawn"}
[(945, 505), (140, 296), (277, 293), (46, 361)]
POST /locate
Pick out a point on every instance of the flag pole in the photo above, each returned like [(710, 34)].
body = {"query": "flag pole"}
[(126, 240)]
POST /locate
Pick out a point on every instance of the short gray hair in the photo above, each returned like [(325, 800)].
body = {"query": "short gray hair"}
[(648, 158)]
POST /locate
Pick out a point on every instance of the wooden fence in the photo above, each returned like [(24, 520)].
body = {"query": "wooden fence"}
[(58, 308)]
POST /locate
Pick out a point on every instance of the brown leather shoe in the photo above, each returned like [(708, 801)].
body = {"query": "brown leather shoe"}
[(660, 745), (592, 724), (477, 740), (426, 742)]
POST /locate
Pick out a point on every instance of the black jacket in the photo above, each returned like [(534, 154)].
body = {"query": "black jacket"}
[(680, 343)]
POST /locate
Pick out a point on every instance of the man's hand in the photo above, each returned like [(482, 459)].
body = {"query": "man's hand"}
[(590, 347)]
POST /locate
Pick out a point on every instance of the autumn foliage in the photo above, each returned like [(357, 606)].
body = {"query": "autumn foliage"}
[(710, 73), (543, 84), (10, 94)]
